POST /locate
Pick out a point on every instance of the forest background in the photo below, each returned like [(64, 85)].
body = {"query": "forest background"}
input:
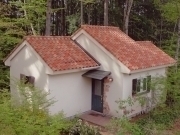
[(154, 20)]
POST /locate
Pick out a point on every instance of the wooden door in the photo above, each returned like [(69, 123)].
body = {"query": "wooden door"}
[(97, 95)]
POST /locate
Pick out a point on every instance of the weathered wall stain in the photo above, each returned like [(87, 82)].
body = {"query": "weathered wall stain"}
[(106, 108)]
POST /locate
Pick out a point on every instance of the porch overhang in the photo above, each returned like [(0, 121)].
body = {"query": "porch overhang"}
[(96, 74)]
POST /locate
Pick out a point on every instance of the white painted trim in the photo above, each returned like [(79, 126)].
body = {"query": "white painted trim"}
[(73, 70), (25, 43), (124, 69), (151, 68), (77, 34), (7, 62)]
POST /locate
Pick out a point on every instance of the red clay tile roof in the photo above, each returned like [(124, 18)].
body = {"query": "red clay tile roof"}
[(156, 55), (60, 53), (134, 55)]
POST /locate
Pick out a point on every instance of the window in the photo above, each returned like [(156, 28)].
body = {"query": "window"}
[(144, 84), (134, 86), (148, 83), (27, 79), (138, 87), (141, 85)]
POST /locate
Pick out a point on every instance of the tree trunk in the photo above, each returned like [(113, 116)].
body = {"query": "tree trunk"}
[(82, 20), (127, 10), (106, 12), (178, 45), (63, 18), (25, 15), (48, 18), (89, 15), (160, 36)]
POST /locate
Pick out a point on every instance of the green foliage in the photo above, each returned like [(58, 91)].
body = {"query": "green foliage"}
[(32, 12), (30, 116), (164, 109), (18, 19), (172, 86), (123, 126), (154, 123), (81, 128), (88, 1), (158, 120), (73, 21), (164, 116), (123, 103), (170, 9)]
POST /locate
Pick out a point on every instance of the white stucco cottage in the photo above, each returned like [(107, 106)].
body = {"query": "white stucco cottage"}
[(90, 70)]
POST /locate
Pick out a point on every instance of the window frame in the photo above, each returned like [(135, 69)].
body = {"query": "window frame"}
[(27, 79), (149, 82), (141, 86), (134, 86)]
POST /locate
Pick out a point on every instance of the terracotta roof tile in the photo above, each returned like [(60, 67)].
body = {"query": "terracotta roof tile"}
[(60, 53), (134, 55)]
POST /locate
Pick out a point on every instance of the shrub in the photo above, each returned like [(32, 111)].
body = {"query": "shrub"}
[(81, 128), (30, 118)]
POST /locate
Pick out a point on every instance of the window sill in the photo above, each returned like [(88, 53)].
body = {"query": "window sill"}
[(142, 93)]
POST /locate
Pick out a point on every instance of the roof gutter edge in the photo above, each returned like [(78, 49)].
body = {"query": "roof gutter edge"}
[(151, 68), (72, 70)]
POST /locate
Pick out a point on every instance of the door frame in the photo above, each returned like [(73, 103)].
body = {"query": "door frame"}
[(102, 93)]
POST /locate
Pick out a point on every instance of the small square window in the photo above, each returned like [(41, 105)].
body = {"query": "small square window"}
[(27, 79), (141, 85)]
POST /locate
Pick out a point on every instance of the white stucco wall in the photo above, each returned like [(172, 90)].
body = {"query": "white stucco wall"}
[(121, 87), (127, 81), (72, 93), (127, 85), (115, 90), (25, 62)]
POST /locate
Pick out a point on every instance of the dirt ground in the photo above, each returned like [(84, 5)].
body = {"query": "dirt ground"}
[(175, 130)]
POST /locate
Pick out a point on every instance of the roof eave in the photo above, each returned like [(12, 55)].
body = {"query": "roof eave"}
[(18, 48), (5, 60), (12, 54), (73, 70), (151, 68), (77, 33)]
